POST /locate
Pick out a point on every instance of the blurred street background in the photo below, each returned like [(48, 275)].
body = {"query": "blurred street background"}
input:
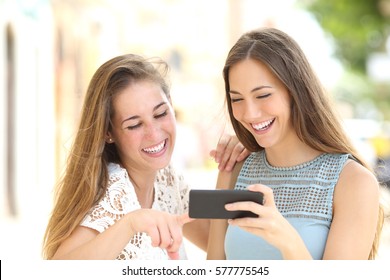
[(49, 50)]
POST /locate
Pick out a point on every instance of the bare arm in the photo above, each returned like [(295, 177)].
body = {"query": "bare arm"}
[(215, 249), (86, 243), (356, 204), (197, 232)]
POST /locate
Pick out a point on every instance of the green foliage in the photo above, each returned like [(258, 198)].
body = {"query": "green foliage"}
[(357, 26), (368, 99)]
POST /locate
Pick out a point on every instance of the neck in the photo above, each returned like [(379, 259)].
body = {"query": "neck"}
[(143, 183), (291, 155)]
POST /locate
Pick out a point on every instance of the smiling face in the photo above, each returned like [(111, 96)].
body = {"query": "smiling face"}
[(143, 126), (261, 103)]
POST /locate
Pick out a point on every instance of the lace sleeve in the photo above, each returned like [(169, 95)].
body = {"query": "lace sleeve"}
[(114, 205), (184, 190), (172, 191)]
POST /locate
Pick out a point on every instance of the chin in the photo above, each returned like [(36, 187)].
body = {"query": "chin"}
[(165, 161)]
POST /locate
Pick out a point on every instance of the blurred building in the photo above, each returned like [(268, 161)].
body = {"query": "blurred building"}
[(27, 123)]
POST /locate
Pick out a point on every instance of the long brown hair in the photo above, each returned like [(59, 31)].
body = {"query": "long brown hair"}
[(312, 115), (86, 177)]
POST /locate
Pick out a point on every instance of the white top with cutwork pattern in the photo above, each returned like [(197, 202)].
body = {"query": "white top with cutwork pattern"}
[(170, 195)]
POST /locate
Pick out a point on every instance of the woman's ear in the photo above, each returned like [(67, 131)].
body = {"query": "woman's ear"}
[(109, 138)]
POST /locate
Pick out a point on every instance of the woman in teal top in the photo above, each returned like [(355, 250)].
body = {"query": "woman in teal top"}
[(303, 195), (321, 201)]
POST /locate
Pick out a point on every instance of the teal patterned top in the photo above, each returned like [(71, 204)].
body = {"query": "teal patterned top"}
[(303, 195)]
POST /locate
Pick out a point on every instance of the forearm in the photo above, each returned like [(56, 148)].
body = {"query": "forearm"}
[(87, 244), (291, 244), (216, 239), (215, 249), (197, 232), (296, 250)]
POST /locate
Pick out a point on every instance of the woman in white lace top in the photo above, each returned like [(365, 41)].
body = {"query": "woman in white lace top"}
[(119, 197)]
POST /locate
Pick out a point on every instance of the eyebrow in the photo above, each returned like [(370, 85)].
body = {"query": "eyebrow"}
[(253, 90), (137, 117)]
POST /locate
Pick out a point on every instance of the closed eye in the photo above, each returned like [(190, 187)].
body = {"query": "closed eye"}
[(131, 127), (163, 114), (158, 116), (234, 100), (263, 96)]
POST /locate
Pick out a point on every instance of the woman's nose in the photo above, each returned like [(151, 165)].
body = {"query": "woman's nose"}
[(251, 111), (151, 130)]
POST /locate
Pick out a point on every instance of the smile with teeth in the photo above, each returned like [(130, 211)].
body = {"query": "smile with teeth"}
[(262, 125), (155, 149)]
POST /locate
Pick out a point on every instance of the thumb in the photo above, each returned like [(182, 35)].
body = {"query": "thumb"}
[(267, 192)]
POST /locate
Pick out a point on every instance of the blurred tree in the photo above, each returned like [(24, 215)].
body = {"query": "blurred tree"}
[(368, 99), (359, 27)]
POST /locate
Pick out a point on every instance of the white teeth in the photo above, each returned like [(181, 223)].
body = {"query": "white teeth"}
[(263, 125), (155, 149)]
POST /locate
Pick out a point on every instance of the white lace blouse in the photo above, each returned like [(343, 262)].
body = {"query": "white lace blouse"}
[(170, 195)]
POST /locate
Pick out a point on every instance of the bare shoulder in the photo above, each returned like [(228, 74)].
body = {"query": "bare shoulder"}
[(227, 179), (355, 215), (357, 184)]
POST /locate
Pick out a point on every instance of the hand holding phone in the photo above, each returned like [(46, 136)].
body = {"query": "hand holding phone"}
[(210, 204)]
